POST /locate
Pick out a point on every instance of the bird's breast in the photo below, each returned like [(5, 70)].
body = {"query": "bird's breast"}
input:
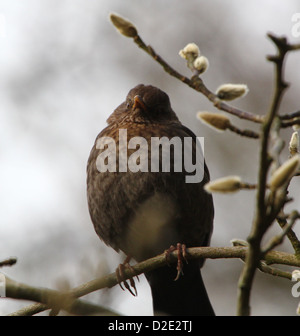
[(151, 229)]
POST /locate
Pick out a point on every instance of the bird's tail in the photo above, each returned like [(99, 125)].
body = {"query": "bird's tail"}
[(186, 296)]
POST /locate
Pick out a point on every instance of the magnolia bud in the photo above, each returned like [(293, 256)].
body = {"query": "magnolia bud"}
[(285, 172), (239, 242), (216, 120), (201, 64), (294, 144), (124, 26), (296, 275), (190, 49), (224, 185), (190, 52), (231, 91)]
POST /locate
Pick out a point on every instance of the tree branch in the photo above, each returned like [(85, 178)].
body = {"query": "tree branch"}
[(263, 219), (290, 234), (68, 302), (286, 229), (53, 299)]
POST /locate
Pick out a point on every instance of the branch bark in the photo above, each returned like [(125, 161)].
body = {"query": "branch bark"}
[(53, 299), (67, 301)]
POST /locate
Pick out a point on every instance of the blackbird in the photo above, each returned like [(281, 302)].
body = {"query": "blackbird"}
[(141, 208)]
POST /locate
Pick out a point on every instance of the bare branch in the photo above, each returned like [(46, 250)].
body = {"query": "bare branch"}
[(290, 115), (263, 220), (110, 280), (263, 267), (277, 240), (291, 235), (53, 299)]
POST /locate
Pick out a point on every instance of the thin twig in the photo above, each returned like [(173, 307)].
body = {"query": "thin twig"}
[(291, 235), (277, 240), (293, 122), (290, 115), (197, 84), (8, 262), (263, 267), (246, 133), (294, 46), (53, 299)]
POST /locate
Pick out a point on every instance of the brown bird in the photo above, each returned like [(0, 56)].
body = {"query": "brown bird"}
[(141, 208)]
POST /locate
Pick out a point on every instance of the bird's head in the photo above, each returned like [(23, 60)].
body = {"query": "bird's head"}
[(144, 104)]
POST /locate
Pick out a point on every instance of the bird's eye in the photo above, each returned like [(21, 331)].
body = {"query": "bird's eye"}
[(129, 103)]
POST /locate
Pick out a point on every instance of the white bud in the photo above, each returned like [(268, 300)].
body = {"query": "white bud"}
[(296, 275), (231, 91), (190, 52), (294, 144), (201, 64), (190, 49), (285, 172), (224, 185)]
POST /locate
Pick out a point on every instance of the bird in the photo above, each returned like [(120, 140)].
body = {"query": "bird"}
[(143, 209)]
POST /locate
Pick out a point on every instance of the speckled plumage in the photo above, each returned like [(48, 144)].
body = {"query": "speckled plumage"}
[(143, 213)]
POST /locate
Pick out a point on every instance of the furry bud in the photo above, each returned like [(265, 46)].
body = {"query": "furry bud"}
[(294, 144), (224, 185), (285, 172), (190, 52), (190, 49), (201, 64), (231, 91), (124, 26), (216, 120)]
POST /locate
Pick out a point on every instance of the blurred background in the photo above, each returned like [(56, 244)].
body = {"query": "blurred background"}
[(64, 69)]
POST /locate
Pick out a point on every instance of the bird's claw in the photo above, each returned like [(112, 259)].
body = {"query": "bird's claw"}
[(122, 279), (181, 256)]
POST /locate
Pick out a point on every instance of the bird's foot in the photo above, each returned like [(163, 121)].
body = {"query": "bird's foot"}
[(122, 279), (181, 256)]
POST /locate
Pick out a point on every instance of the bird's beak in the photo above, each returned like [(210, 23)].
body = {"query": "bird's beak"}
[(139, 103)]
